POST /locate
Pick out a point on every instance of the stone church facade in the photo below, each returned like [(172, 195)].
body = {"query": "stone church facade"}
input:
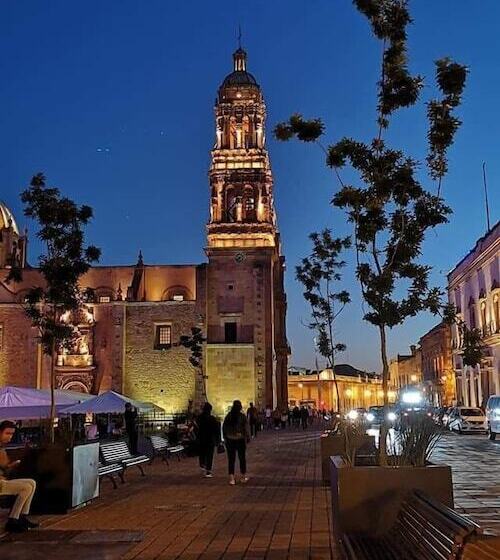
[(129, 332)]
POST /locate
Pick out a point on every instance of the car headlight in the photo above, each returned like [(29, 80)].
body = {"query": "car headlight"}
[(391, 416), (353, 414), (370, 417)]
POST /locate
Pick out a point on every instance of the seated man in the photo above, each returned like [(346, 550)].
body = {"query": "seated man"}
[(23, 488)]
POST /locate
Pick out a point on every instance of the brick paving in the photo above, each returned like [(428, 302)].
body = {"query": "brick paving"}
[(475, 463), (281, 513)]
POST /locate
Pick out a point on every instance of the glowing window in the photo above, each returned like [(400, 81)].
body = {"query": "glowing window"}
[(178, 297), (163, 336), (104, 299)]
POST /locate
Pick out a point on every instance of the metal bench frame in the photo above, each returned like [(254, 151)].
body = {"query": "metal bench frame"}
[(424, 528), (111, 469), (118, 452)]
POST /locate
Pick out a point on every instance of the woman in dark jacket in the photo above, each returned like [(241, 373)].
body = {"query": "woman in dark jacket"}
[(236, 436), (208, 437)]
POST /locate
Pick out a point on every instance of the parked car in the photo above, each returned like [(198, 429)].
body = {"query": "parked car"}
[(356, 414), (493, 416), (375, 414), (467, 419)]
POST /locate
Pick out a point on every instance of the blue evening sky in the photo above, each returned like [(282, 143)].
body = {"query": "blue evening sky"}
[(113, 100)]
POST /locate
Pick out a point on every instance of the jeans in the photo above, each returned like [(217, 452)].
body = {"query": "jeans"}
[(234, 446), (207, 456), (133, 438), (24, 490), (253, 428)]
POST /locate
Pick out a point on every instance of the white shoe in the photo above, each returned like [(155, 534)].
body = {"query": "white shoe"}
[(232, 482), (209, 475), (245, 479)]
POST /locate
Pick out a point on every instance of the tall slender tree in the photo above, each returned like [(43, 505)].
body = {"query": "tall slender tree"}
[(318, 273), (389, 208), (61, 223)]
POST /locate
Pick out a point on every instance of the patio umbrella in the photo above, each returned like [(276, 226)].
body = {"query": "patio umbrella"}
[(109, 402), (22, 403)]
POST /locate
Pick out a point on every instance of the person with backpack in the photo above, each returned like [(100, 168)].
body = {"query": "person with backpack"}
[(236, 436)]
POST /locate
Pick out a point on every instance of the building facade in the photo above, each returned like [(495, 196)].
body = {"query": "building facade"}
[(406, 369), (128, 332), (474, 290), (438, 376), (317, 388)]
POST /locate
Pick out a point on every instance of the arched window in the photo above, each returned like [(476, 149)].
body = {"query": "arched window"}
[(104, 294), (249, 204), (177, 293), (230, 206)]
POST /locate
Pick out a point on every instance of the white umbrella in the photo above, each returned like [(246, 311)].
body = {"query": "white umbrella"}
[(21, 403), (106, 403)]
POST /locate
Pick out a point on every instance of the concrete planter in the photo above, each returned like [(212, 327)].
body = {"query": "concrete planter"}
[(333, 444), (366, 499)]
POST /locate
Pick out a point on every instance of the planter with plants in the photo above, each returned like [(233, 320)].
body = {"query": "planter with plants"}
[(348, 439), (367, 497)]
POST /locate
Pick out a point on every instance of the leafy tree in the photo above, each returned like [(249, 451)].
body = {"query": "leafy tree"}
[(472, 345), (389, 208), (194, 343), (318, 273), (66, 259)]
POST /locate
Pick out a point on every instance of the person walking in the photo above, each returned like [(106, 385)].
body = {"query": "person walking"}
[(253, 419), (268, 416), (209, 438), (304, 417), (22, 488), (236, 436), (131, 427), (284, 418)]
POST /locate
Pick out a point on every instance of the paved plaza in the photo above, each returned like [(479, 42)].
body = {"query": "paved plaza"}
[(282, 513), (475, 463)]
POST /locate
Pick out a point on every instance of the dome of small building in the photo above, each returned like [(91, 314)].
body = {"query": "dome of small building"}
[(240, 76), (7, 218)]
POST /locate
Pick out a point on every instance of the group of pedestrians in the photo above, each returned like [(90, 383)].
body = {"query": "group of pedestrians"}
[(236, 434), (295, 417)]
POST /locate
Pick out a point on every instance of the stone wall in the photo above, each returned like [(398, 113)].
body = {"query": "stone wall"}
[(18, 352), (231, 375), (164, 377)]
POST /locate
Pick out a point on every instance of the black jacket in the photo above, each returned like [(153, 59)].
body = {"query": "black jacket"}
[(208, 430)]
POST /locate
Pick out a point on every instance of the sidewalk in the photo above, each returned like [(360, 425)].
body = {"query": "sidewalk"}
[(282, 513)]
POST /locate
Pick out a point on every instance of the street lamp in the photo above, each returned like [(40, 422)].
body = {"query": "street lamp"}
[(301, 386)]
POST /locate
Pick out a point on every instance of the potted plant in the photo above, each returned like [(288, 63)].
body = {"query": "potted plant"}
[(366, 497)]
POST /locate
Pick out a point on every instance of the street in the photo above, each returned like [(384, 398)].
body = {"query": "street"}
[(475, 462)]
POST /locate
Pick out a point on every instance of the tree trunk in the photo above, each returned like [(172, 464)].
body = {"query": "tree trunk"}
[(52, 395), (385, 388)]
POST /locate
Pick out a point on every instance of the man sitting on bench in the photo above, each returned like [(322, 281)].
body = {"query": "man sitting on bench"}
[(22, 488)]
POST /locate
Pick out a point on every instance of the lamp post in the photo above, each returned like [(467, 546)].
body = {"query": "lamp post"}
[(301, 386)]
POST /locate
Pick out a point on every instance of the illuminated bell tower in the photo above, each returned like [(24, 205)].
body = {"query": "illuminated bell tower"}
[(246, 305)]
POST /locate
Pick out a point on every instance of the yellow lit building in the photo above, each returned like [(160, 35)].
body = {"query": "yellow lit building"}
[(317, 388)]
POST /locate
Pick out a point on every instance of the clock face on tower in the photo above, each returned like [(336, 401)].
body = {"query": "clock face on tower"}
[(239, 257)]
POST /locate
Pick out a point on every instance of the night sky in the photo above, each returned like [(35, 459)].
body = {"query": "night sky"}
[(113, 101)]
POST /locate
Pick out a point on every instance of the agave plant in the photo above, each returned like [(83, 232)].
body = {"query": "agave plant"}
[(415, 441)]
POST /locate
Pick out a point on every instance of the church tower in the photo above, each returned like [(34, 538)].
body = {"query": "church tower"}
[(247, 350)]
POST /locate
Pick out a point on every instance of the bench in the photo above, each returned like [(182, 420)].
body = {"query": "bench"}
[(110, 470), (162, 448), (118, 452), (424, 529)]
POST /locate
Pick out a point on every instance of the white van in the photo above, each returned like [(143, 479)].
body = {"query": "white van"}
[(493, 416)]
